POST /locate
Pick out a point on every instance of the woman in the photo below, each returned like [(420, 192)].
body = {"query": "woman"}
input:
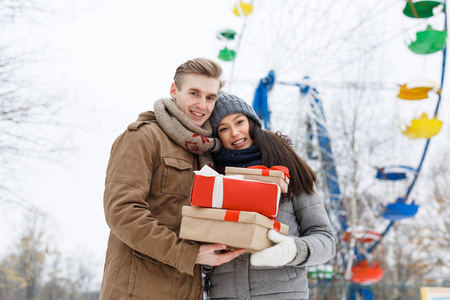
[(279, 271)]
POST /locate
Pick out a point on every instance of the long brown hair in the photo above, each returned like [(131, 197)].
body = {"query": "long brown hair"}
[(276, 152)]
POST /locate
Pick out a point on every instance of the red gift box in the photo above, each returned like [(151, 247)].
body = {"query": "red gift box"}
[(213, 190), (276, 174)]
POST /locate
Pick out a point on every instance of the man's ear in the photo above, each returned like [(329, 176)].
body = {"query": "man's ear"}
[(173, 90)]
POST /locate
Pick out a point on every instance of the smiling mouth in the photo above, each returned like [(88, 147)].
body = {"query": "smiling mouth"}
[(197, 114), (238, 142)]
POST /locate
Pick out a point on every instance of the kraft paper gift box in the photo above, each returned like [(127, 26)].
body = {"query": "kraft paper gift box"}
[(213, 190), (276, 174), (236, 229)]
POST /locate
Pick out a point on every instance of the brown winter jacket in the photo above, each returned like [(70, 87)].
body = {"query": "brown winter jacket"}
[(148, 181)]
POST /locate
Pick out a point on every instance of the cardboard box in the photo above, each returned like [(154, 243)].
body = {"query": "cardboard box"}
[(213, 190), (236, 229), (262, 173)]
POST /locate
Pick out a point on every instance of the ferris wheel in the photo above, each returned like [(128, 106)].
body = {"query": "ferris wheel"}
[(357, 86)]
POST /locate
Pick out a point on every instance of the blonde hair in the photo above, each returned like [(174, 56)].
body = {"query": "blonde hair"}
[(201, 66)]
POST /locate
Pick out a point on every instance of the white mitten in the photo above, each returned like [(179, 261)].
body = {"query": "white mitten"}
[(282, 253)]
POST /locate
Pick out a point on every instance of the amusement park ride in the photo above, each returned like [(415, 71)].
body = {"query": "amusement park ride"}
[(358, 243)]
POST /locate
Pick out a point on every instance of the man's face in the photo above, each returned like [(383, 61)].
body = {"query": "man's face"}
[(196, 96)]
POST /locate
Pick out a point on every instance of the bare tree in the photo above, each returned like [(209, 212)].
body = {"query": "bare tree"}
[(28, 112), (35, 270), (22, 270), (60, 283), (420, 245), (9, 9)]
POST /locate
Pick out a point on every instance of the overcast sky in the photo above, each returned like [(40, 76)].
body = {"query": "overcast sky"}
[(111, 60)]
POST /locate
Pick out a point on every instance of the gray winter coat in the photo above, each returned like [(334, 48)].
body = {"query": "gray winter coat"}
[(308, 222)]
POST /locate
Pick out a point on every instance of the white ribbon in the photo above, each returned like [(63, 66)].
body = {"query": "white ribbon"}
[(217, 198)]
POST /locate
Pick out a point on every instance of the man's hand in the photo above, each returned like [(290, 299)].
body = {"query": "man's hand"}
[(209, 255)]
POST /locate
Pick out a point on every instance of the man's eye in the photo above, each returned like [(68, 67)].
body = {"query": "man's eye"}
[(194, 94)]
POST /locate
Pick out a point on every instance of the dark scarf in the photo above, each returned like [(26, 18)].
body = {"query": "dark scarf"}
[(237, 158)]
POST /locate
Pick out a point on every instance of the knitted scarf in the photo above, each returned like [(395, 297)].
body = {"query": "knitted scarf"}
[(182, 131)]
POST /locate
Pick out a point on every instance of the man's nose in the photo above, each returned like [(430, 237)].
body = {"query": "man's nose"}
[(201, 103)]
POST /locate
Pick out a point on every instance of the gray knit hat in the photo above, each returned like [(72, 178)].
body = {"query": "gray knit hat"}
[(227, 104)]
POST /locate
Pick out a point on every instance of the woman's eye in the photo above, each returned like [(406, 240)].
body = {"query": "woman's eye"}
[(222, 129)]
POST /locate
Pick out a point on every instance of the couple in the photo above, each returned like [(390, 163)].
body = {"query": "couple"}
[(149, 179)]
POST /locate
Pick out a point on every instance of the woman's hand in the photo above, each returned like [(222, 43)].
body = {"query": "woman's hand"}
[(282, 253), (209, 254)]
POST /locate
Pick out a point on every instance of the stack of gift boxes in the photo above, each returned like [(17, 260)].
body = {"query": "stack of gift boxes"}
[(236, 209)]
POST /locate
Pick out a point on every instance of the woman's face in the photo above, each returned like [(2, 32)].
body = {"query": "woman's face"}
[(234, 133)]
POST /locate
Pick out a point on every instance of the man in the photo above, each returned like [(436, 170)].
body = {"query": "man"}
[(148, 180)]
